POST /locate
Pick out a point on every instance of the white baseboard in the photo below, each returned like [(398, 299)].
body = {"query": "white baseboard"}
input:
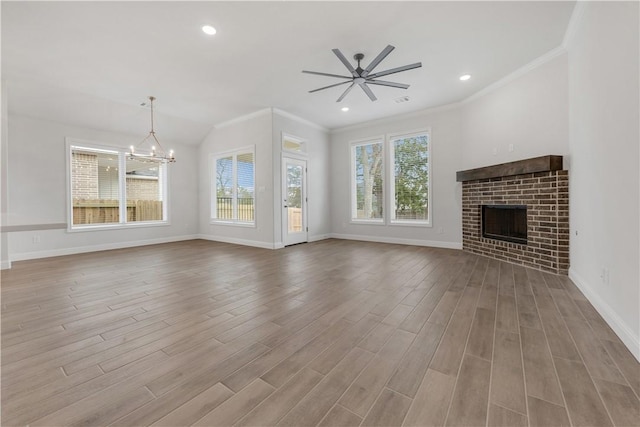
[(235, 241), (5, 265), (608, 314), (278, 245), (318, 237), (95, 248), (394, 240)]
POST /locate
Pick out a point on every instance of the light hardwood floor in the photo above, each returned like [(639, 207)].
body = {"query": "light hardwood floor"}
[(329, 333)]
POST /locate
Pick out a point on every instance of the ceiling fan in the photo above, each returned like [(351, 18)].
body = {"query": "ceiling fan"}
[(363, 77)]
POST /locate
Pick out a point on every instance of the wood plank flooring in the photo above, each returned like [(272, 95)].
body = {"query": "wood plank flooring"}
[(332, 333)]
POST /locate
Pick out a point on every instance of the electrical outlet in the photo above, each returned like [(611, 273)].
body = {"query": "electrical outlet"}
[(510, 148), (35, 239), (604, 275), (440, 230)]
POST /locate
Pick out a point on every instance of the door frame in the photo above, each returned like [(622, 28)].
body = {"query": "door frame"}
[(305, 199)]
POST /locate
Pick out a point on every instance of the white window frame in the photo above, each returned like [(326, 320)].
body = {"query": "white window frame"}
[(163, 176), (212, 188), (392, 182), (301, 141), (353, 202)]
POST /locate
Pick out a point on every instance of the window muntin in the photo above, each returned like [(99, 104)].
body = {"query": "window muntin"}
[(367, 161), (233, 198), (103, 190), (410, 181)]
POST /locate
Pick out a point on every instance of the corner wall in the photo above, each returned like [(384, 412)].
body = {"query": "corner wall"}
[(317, 156), (37, 195), (255, 130), (530, 113), (604, 183)]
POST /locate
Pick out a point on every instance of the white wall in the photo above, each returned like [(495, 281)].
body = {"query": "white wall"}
[(317, 156), (4, 146), (253, 130), (446, 132), (604, 181), (37, 192), (530, 112)]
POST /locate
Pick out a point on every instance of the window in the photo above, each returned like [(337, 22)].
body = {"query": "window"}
[(107, 189), (367, 186), (233, 187), (409, 155), (293, 144), (406, 195)]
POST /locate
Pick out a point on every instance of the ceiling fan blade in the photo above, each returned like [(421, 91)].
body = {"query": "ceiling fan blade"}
[(327, 74), (345, 62), (346, 92), (327, 87), (385, 83), (395, 70), (366, 90), (386, 51)]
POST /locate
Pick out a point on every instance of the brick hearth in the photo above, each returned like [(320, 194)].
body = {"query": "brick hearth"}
[(546, 195)]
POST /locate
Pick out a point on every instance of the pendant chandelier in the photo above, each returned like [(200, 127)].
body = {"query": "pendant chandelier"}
[(155, 153)]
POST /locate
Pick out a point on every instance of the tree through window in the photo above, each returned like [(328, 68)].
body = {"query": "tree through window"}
[(369, 191)]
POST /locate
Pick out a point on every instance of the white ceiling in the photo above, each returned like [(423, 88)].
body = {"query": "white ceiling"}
[(92, 63)]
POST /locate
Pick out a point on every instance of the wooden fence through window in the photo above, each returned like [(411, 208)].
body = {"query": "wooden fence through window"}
[(101, 211)]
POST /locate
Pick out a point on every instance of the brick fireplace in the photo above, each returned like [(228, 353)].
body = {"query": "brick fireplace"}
[(539, 186)]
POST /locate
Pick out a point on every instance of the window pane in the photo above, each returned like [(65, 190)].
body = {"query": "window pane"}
[(294, 198), (411, 174), (144, 191), (224, 188), (368, 175), (95, 187), (245, 189), (292, 145)]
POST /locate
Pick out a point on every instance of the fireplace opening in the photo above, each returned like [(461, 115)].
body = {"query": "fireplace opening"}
[(505, 222)]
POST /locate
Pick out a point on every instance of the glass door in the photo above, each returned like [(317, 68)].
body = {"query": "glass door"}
[(294, 214)]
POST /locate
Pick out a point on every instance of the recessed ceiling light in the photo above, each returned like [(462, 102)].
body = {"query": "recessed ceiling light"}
[(345, 109), (465, 77), (208, 29)]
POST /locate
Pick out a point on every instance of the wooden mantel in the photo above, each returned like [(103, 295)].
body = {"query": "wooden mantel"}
[(520, 167)]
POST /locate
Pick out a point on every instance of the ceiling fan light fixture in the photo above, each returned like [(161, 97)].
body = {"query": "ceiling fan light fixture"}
[(154, 154)]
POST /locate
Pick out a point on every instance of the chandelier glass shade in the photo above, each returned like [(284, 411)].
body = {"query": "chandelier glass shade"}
[(150, 149)]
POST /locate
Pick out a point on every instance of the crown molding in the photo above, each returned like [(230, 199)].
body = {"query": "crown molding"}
[(391, 119), (299, 119), (574, 22), (541, 60), (244, 118)]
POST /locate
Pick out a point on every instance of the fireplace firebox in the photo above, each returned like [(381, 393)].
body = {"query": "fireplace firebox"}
[(505, 222)]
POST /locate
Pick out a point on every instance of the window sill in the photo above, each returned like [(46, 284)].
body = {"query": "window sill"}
[(367, 221), (118, 226), (411, 223), (232, 223)]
